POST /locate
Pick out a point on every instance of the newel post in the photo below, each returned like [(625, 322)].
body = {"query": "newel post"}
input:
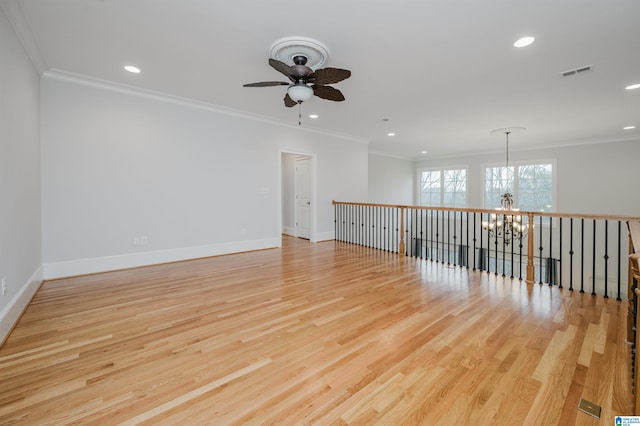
[(401, 239), (530, 252), (631, 337)]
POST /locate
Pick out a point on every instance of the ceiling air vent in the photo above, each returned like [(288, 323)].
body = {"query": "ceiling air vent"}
[(577, 71)]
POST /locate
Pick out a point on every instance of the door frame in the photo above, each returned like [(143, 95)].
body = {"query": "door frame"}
[(312, 192)]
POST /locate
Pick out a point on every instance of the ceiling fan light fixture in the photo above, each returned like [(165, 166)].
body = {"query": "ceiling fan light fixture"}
[(300, 92)]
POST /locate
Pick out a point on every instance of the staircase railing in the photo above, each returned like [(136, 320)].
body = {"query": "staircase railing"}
[(587, 253)]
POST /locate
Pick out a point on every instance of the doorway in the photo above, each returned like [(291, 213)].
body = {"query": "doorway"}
[(297, 206), (302, 197)]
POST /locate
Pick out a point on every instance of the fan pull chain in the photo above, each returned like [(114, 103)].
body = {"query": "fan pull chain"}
[(299, 113)]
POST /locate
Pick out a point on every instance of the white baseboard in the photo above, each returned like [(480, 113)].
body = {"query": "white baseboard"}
[(12, 312), (288, 230), (112, 263), (325, 236)]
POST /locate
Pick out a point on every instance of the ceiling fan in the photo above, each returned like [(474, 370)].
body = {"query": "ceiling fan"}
[(301, 76)]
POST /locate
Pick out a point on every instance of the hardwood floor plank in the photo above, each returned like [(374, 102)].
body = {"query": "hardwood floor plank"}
[(325, 333)]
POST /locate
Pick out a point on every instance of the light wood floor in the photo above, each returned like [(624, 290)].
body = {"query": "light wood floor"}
[(325, 333)]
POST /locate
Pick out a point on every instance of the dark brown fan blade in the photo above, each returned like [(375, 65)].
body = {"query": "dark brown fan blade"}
[(329, 76), (266, 84), (328, 92), (288, 102), (283, 68)]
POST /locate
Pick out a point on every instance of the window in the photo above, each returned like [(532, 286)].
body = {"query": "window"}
[(531, 186), (443, 188)]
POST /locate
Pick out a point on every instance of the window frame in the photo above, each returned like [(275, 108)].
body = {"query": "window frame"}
[(516, 165), (419, 172)]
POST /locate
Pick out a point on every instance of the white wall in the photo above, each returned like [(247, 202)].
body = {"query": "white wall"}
[(391, 180), (20, 241), (122, 168), (591, 178)]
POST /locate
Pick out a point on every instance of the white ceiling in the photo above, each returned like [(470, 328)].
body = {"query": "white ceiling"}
[(444, 72)]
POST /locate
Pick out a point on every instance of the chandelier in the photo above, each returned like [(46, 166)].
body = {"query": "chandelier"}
[(507, 223)]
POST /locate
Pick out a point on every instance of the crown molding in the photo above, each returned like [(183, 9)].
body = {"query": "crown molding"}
[(13, 12), (386, 154), (83, 80), (555, 145)]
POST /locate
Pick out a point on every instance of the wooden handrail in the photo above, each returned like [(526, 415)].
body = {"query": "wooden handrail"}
[(520, 212)]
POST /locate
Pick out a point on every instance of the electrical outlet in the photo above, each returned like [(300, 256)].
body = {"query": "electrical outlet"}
[(4, 286), (142, 240)]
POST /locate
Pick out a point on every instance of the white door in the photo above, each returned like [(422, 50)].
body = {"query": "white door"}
[(303, 198)]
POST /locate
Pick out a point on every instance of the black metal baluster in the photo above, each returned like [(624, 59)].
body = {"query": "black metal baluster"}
[(335, 222), (443, 236), (343, 221), (582, 256), (512, 248), (392, 227), (336, 212), (481, 251), (415, 231), (619, 258), (358, 225), (420, 233), (606, 259), (540, 248), (560, 257), (593, 265), (387, 224), (504, 250), (372, 227), (571, 254), (520, 246), (396, 232), (384, 228), (347, 219), (444, 242), (448, 237), (437, 235), (352, 216), (474, 239), (338, 222), (431, 236), (423, 234), (551, 260), (467, 244), (376, 227)]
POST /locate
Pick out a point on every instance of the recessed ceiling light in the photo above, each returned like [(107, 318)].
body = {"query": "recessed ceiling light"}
[(314, 116), (391, 134), (633, 86), (629, 128), (524, 41), (423, 152), (132, 69)]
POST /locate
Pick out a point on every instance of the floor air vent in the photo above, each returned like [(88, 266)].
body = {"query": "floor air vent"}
[(589, 408)]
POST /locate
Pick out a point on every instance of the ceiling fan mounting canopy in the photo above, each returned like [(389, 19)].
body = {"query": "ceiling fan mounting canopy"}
[(286, 49)]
